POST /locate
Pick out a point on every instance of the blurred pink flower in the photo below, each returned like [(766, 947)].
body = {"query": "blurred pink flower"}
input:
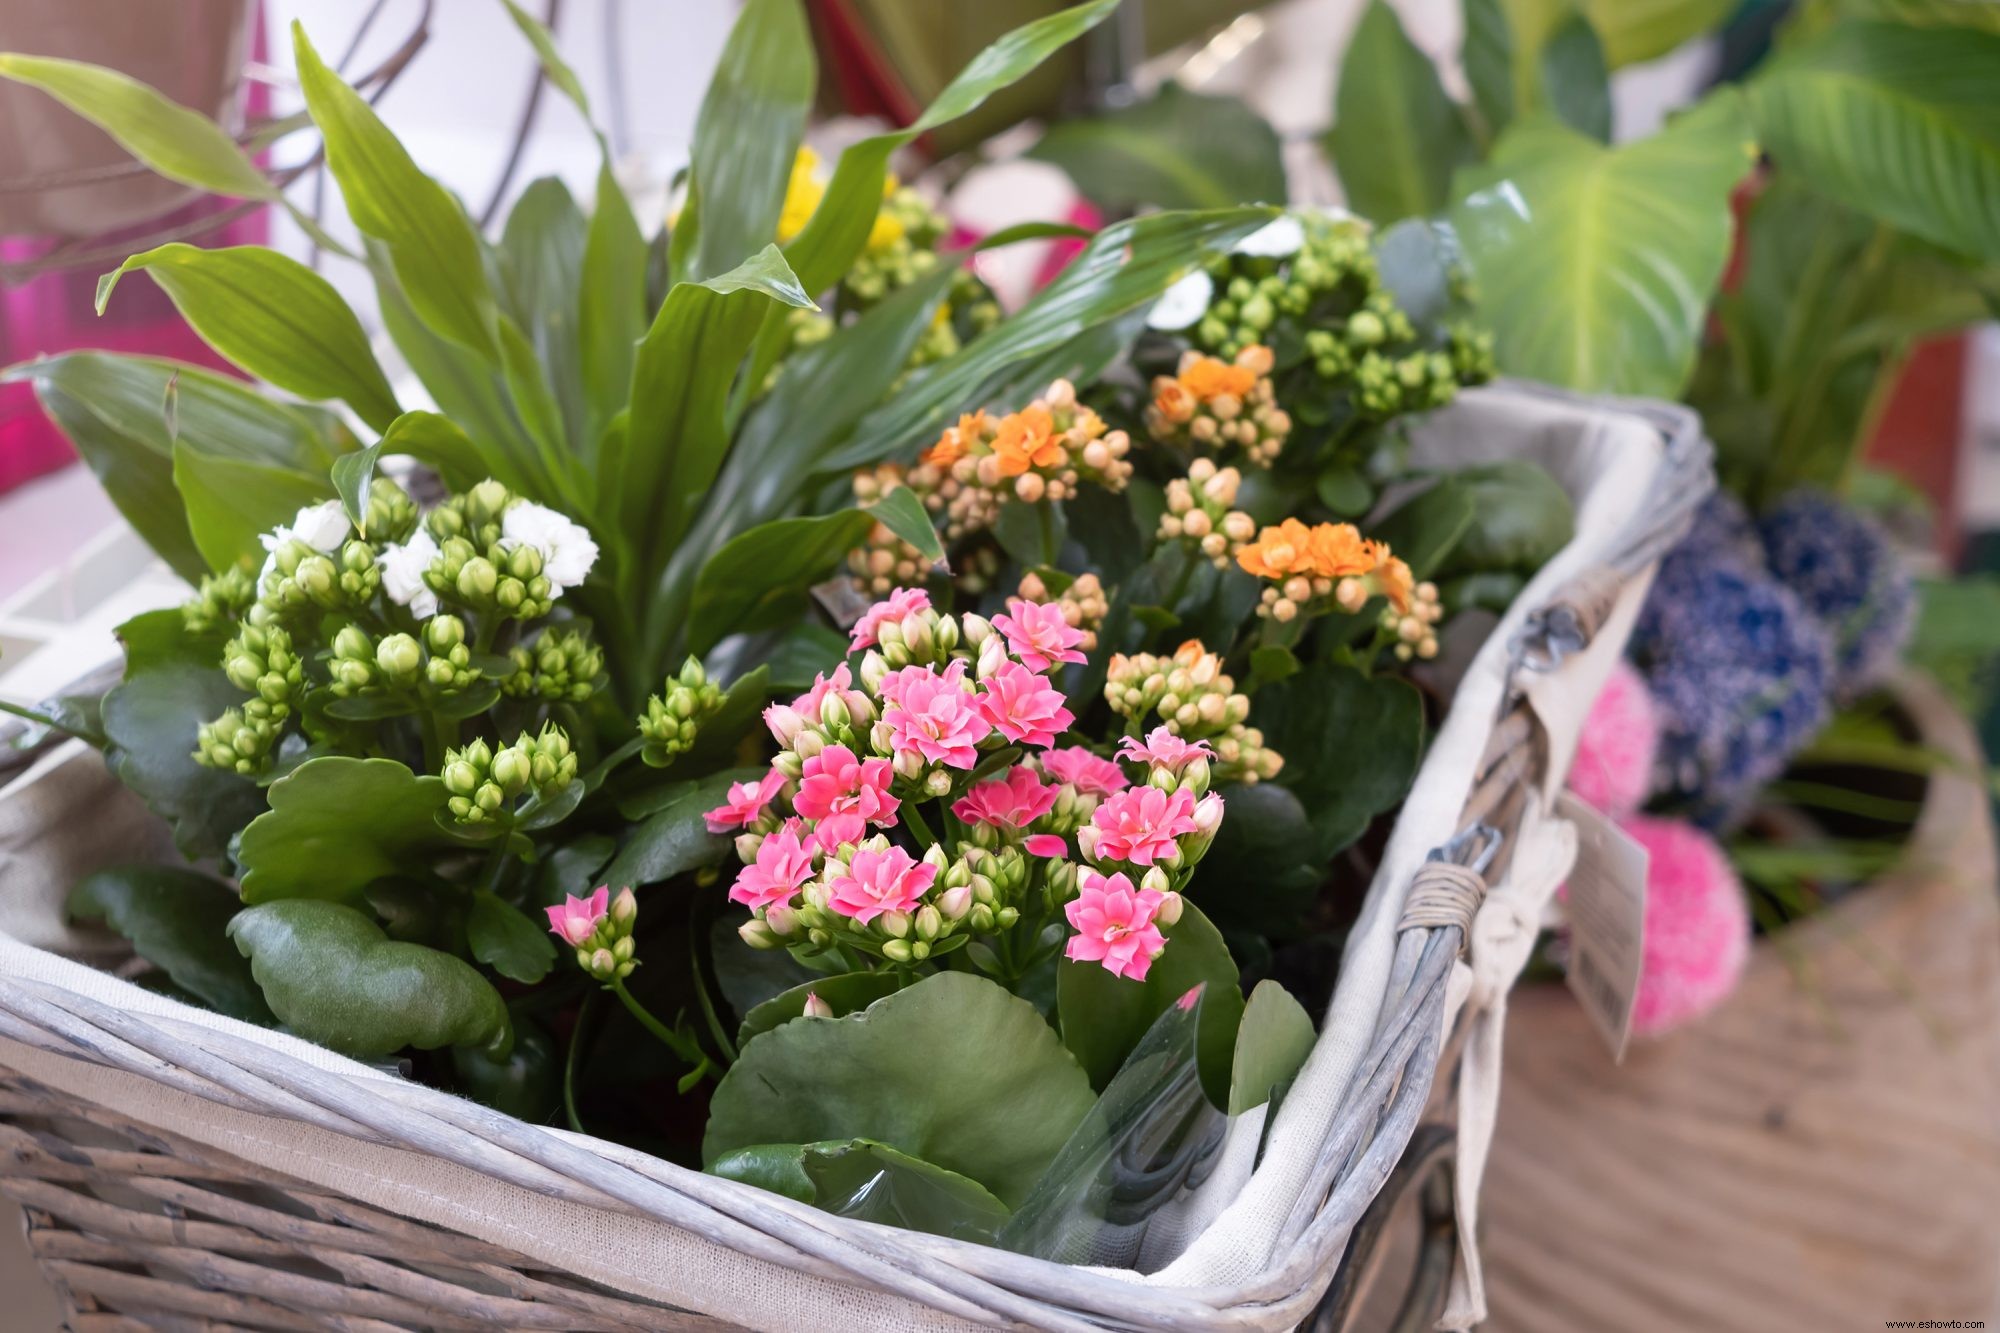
[(878, 882), (1114, 925), (1023, 707), (900, 603), (1038, 635)]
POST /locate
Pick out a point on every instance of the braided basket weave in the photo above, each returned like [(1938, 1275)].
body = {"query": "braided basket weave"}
[(179, 1170)]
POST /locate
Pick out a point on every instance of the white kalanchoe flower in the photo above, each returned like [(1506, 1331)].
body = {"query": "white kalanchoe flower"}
[(323, 526), (1183, 303), (403, 567), (566, 547), (1276, 239)]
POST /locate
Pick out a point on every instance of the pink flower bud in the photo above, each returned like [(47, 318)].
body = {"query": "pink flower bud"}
[(816, 1007), (625, 908), (781, 918), (1208, 813), (784, 722), (953, 904), (1169, 910)]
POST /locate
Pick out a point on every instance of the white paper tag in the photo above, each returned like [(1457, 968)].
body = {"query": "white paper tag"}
[(1607, 921)]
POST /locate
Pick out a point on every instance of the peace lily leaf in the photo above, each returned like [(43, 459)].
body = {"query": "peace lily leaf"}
[(1327, 712), (1530, 26), (337, 823), (1896, 121), (802, 652), (558, 71), (508, 942), (1126, 266), (230, 501), (1396, 136), (1177, 150), (904, 514), (721, 736), (846, 993), (541, 255), (1271, 1046), (352, 476), (613, 302), (954, 1070), (1638, 30), (1596, 264), (333, 977), (180, 144), (1104, 1017), (871, 1181), (171, 686), (176, 921), (675, 840), (437, 440), (761, 577), (1574, 78), (274, 317), (431, 242), (745, 138), (1489, 64)]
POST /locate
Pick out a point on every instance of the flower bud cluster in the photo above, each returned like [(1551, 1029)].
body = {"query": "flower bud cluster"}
[(449, 669), (220, 599), (1084, 603), (1413, 624), (1201, 512), (1213, 405), (489, 580), (262, 662), (243, 740), (391, 514), (1197, 701), (674, 716), (599, 928), (1256, 293), (1317, 569), (483, 784), (559, 666)]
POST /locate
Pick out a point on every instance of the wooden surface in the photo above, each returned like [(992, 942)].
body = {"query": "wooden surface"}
[(1823, 1152)]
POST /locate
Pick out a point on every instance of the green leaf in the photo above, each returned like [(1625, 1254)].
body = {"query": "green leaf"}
[(558, 71), (113, 409), (1262, 875), (1596, 264), (436, 440), (745, 138), (430, 241), (1323, 717), (1574, 79), (863, 1179), (612, 317), (1425, 529), (760, 579), (1530, 25), (180, 144), (846, 993), (1396, 136), (1126, 266), (1344, 491), (1521, 517), (801, 653), (337, 823), (1271, 1046), (904, 514), (675, 839), (176, 920), (172, 685), (1898, 122), (1638, 30), (541, 254), (274, 317), (230, 501), (508, 942), (1489, 64), (334, 978), (1104, 1017), (352, 476), (953, 1070), (1176, 150)]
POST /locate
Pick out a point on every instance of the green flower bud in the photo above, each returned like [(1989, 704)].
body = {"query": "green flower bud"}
[(898, 951), (477, 582), (220, 599), (391, 515), (399, 657), (444, 633)]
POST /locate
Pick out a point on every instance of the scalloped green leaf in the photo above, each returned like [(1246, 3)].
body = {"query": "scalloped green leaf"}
[(336, 824), (176, 920)]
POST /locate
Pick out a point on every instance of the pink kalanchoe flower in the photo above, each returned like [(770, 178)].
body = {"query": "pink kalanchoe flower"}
[(746, 803), (784, 863), (845, 794), (808, 705), (1046, 844), (1163, 749), (932, 715), (1114, 925), (1089, 774), (878, 882), (1023, 706), (1013, 802), (1143, 825), (900, 603), (577, 919), (1038, 635)]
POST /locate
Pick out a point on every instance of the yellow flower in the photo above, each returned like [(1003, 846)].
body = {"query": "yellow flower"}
[(802, 195), (885, 233), (1027, 440)]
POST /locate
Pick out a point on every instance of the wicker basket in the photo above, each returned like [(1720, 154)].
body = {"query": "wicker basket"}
[(184, 1170)]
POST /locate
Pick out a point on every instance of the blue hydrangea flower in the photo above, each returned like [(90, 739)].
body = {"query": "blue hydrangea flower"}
[(1739, 669), (1846, 573)]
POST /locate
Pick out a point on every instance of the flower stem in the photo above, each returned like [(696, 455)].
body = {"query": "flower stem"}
[(674, 1041), (917, 824), (573, 1058), (1045, 514), (1180, 587)]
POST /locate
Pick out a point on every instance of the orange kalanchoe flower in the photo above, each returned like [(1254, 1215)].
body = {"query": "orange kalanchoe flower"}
[(1172, 401), (1395, 579), (1027, 440), (1207, 377), (1280, 552), (1339, 549), (956, 440)]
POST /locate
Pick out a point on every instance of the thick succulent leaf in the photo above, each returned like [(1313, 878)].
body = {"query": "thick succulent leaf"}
[(176, 920), (1396, 135), (1902, 123), (674, 839), (333, 977), (1176, 149), (1104, 1017), (335, 825), (1323, 717), (1596, 264), (274, 317), (507, 941), (845, 993), (430, 240), (863, 1179), (954, 1070)]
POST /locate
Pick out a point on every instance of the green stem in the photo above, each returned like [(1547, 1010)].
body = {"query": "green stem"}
[(915, 818), (674, 1041), (433, 745), (708, 1013), (573, 1057), (1045, 515), (40, 719), (489, 629), (1186, 576)]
